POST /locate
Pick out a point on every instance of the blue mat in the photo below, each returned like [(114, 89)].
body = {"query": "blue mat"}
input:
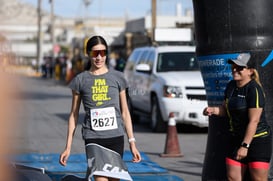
[(156, 178), (50, 157), (127, 156), (145, 170), (145, 167), (135, 178), (53, 157)]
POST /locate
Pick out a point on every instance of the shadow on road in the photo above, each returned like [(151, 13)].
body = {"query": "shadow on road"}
[(65, 116), (142, 125), (39, 96)]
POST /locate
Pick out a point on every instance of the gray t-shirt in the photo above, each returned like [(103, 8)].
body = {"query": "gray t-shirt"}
[(100, 98)]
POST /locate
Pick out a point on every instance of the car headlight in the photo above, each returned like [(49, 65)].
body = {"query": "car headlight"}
[(172, 92)]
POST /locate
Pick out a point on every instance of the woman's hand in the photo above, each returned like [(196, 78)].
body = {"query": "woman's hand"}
[(241, 153), (208, 111), (135, 153), (216, 110), (64, 157)]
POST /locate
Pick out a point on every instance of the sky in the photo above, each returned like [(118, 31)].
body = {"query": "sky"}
[(111, 8)]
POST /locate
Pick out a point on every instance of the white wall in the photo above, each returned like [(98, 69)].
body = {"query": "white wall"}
[(29, 49)]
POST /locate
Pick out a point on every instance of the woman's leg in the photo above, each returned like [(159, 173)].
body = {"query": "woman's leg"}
[(259, 171), (113, 179), (235, 170), (101, 178)]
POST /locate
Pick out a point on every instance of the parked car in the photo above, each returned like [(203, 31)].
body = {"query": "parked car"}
[(164, 80)]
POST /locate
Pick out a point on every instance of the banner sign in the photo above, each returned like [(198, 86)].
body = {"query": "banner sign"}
[(216, 73), (105, 162)]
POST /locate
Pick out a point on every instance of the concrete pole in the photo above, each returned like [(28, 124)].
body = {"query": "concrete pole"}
[(52, 30), (39, 41), (86, 4), (153, 20)]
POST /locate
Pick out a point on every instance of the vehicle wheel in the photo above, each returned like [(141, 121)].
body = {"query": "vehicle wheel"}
[(157, 123)]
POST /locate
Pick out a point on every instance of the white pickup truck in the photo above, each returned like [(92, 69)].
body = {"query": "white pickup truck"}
[(164, 80)]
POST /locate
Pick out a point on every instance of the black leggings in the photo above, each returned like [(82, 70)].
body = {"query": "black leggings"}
[(116, 143)]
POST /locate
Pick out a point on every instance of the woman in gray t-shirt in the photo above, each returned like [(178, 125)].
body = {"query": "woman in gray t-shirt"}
[(103, 94)]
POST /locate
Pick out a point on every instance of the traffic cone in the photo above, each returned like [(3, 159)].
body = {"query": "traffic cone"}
[(172, 148)]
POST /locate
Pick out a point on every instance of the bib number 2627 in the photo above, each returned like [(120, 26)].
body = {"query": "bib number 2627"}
[(103, 119)]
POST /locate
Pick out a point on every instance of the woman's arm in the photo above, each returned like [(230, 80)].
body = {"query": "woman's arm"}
[(128, 126), (254, 118), (72, 124), (217, 110)]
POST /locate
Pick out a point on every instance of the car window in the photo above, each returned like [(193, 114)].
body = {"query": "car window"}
[(143, 57), (177, 61), (133, 58), (150, 58)]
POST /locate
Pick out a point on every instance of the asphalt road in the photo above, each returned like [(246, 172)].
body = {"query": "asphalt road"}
[(42, 112)]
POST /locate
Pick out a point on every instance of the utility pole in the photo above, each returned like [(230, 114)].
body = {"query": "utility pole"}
[(86, 4), (39, 41), (153, 19), (52, 27)]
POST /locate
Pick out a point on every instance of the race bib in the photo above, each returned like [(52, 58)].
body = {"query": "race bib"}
[(103, 119)]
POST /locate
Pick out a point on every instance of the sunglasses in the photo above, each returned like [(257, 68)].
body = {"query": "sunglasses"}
[(95, 53), (237, 67)]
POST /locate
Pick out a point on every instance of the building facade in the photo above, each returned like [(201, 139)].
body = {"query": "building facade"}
[(19, 27)]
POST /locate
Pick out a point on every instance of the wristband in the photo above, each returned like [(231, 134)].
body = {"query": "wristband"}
[(131, 140), (245, 145)]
